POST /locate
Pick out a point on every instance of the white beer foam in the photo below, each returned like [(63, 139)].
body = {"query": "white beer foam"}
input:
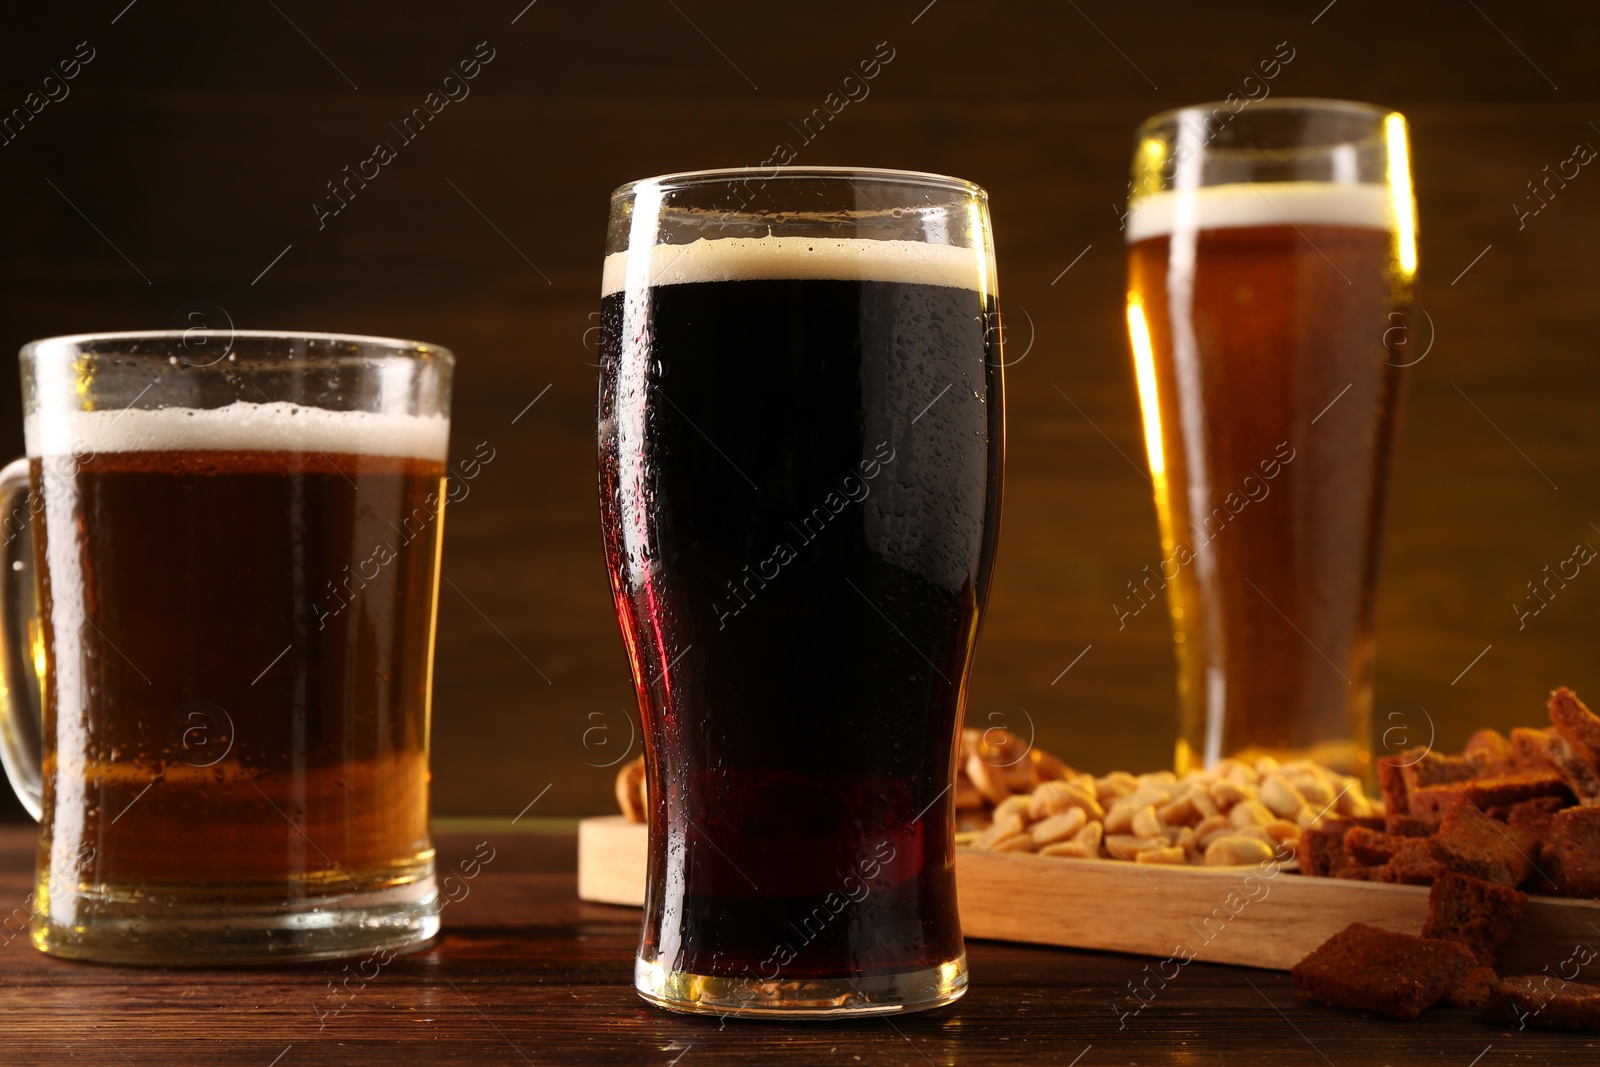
[(791, 258), (241, 426), (1214, 207)]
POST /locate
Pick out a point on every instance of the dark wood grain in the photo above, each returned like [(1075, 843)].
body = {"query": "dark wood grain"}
[(199, 137), (524, 972)]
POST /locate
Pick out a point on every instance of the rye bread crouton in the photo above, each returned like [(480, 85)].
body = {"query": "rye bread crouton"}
[(1470, 842), (1372, 969), (1476, 913), (1542, 1002)]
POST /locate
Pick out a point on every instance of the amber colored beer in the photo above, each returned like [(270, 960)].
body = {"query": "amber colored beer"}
[(236, 675), (1271, 401)]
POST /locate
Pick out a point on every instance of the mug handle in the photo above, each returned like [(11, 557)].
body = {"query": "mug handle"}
[(21, 714)]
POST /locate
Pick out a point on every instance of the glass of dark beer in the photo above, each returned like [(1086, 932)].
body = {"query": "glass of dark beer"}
[(801, 428), (1271, 256), (225, 629)]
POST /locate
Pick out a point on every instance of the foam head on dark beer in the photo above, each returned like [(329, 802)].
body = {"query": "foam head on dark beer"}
[(800, 258)]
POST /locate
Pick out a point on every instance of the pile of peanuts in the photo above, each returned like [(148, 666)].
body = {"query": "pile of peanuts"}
[(1231, 814)]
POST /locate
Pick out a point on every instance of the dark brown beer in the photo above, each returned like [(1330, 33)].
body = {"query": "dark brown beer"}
[(1270, 429), (236, 673), (800, 481)]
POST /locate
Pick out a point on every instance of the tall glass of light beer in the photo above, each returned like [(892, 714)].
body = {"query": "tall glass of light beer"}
[(217, 656), (800, 433), (1271, 256)]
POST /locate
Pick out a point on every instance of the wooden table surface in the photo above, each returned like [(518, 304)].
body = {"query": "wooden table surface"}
[(526, 973)]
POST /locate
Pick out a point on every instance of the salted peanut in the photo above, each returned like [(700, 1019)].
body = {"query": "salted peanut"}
[(1061, 827), (1190, 843), (1084, 798), (1352, 803), (1072, 850), (1013, 805), (1226, 793), (1181, 811), (1127, 846), (1091, 837), (999, 830), (1236, 771), (1014, 843), (1119, 817), (630, 789), (1281, 798), (1146, 823), (968, 797), (1165, 794), (1314, 788), (1266, 765), (1114, 785), (1084, 789), (1156, 779), (1204, 806), (984, 839), (1282, 831), (1049, 798), (1210, 827), (1009, 823), (1306, 819), (1237, 850), (1250, 813), (1052, 798), (1169, 856), (1257, 832), (987, 780), (1296, 769), (1156, 794)]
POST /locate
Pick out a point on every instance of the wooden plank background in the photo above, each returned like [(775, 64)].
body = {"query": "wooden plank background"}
[(192, 147)]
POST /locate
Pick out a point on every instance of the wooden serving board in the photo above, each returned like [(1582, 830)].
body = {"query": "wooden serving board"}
[(1237, 915)]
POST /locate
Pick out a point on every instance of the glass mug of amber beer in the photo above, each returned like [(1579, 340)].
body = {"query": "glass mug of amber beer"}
[(228, 612), (1272, 251), (801, 430)]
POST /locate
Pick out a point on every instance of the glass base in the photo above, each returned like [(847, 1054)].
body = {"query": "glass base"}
[(169, 930), (809, 998)]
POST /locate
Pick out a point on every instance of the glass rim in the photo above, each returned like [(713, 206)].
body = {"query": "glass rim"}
[(686, 179), (1309, 104), (395, 346)]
